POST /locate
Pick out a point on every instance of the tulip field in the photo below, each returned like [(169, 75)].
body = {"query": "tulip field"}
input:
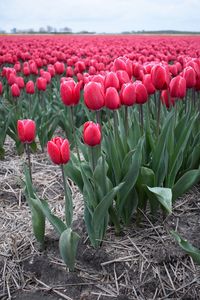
[(100, 167)]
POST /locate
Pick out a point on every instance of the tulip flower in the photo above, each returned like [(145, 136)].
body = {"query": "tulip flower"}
[(177, 87), (30, 87), (59, 67), (15, 91), (190, 77), (94, 97), (91, 134), (112, 99), (58, 150), (26, 130), (127, 94), (146, 80), (70, 92), (140, 92), (111, 80), (41, 84), (20, 82), (160, 77)]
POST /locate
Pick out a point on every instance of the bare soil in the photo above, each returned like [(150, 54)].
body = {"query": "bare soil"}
[(143, 263)]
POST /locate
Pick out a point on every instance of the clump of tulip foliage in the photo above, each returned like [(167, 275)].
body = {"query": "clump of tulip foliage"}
[(131, 120)]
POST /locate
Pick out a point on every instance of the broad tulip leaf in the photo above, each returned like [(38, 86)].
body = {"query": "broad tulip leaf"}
[(73, 172), (187, 247), (57, 223), (159, 154), (189, 179), (38, 221), (131, 177), (68, 243), (101, 210), (177, 157), (162, 195)]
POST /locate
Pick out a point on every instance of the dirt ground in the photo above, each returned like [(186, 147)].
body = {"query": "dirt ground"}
[(143, 263)]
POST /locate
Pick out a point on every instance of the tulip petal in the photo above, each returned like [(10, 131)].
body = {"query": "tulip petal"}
[(54, 153)]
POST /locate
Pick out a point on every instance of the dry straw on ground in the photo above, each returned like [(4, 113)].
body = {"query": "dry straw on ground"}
[(143, 263)]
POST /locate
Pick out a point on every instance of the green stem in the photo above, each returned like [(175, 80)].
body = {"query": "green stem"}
[(141, 117), (27, 149), (115, 123), (126, 120), (114, 219), (74, 132), (68, 200), (98, 117), (158, 114), (93, 158)]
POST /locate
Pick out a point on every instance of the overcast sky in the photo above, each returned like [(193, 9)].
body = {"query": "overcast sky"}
[(102, 15)]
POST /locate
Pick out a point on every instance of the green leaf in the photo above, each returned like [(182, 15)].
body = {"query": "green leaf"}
[(159, 154), (189, 179), (57, 223), (187, 247), (38, 221), (162, 195), (68, 243), (131, 177), (101, 210), (177, 157), (74, 173)]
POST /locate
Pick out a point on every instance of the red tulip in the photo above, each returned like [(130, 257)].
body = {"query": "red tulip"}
[(59, 67), (94, 97), (140, 92), (111, 79), (41, 84), (190, 77), (146, 80), (26, 130), (127, 95), (160, 77), (51, 70), (59, 150), (30, 87), (123, 77), (177, 87), (15, 90), (70, 92), (112, 100), (91, 134), (20, 82)]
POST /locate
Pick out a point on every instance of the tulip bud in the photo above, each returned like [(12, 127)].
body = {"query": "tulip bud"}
[(111, 80), (59, 67), (148, 84), (70, 92), (41, 83), (177, 87), (15, 90), (112, 100), (190, 77), (127, 94), (160, 77), (26, 130), (59, 150), (123, 77), (91, 134), (94, 95), (30, 88), (20, 82), (140, 92)]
